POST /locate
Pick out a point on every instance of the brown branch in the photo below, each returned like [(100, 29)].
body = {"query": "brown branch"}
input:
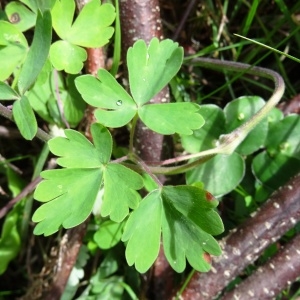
[(270, 279), (244, 245), (140, 19), (69, 248)]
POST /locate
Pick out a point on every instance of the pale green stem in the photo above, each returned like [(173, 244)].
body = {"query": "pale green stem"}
[(227, 143), (132, 131)]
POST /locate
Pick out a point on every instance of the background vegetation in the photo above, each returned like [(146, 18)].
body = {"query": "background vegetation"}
[(261, 241)]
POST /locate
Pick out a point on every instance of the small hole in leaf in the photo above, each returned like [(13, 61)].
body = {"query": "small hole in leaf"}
[(15, 18), (119, 102)]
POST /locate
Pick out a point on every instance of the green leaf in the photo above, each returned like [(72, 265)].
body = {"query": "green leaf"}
[(120, 185), (20, 15), (281, 160), (207, 136), (10, 240), (144, 240), (7, 93), (62, 17), (220, 175), (91, 28), (283, 137), (275, 171), (169, 118), (71, 194), (40, 96), (192, 202), (68, 57), (151, 68), (109, 234), (73, 104), (86, 155), (183, 215), (13, 49), (25, 118), (183, 240), (106, 93), (38, 52), (238, 112)]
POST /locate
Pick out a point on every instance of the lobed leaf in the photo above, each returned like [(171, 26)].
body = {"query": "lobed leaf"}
[(106, 93), (71, 194), (185, 217), (78, 152), (62, 17), (151, 68), (143, 233), (170, 118), (68, 57), (92, 27), (120, 185)]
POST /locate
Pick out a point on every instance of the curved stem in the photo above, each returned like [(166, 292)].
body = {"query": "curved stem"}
[(229, 142)]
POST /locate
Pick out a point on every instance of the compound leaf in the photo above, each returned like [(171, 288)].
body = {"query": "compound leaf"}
[(169, 118), (116, 107), (90, 29), (186, 218), (151, 68), (120, 185)]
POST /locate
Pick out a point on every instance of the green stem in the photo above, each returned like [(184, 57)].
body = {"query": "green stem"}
[(132, 131)]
